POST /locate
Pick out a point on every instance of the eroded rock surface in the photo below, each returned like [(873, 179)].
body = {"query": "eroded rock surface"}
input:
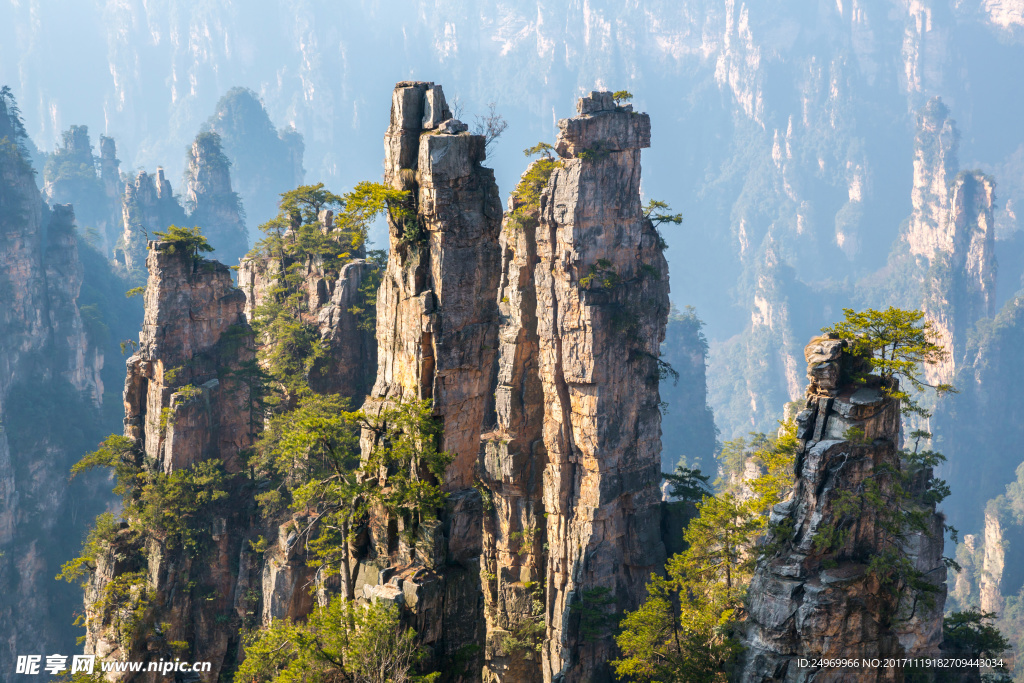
[(953, 229), (512, 461), (602, 303), (185, 404), (148, 206), (813, 600), (437, 339), (350, 366), (194, 328)]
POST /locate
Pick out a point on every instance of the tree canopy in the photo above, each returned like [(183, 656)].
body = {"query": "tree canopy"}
[(897, 344), (189, 241)]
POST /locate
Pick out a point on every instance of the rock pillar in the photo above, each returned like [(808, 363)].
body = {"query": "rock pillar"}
[(437, 339), (817, 599), (602, 303)]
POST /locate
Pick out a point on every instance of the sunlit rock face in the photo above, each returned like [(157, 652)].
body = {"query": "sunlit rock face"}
[(952, 229), (185, 404), (810, 600), (437, 326), (512, 459), (193, 315), (601, 308)]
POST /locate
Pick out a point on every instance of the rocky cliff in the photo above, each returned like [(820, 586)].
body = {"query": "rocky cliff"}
[(49, 393), (210, 201), (70, 177), (148, 206), (187, 414), (193, 332), (328, 300), (437, 339), (953, 231), (602, 304), (814, 594), (266, 161), (513, 455)]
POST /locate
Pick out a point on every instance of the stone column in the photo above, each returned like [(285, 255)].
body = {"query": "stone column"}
[(602, 306)]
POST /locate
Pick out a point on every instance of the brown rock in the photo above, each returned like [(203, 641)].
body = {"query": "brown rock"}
[(602, 305), (513, 458), (437, 339), (351, 363), (182, 406), (193, 326)]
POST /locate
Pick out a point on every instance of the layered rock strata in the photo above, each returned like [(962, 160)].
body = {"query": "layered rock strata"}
[(184, 404), (602, 303), (211, 202), (437, 339), (812, 599)]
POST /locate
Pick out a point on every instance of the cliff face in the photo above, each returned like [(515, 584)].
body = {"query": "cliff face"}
[(192, 332), (437, 339), (815, 599), (350, 366), (45, 356), (70, 177), (981, 458), (513, 457), (211, 202), (184, 406), (602, 303), (148, 206), (953, 231)]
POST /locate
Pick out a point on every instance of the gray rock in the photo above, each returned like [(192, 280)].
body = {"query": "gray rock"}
[(453, 127), (808, 601), (435, 109)]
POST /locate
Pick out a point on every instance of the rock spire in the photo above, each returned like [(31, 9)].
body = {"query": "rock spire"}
[(211, 201), (436, 339), (809, 600), (185, 405), (602, 305)]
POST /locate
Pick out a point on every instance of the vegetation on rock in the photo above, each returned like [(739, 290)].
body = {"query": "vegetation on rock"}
[(681, 631), (896, 343), (188, 241), (339, 642)]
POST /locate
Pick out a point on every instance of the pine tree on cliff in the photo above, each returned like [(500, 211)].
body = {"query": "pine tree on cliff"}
[(682, 631), (897, 344), (188, 241)]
